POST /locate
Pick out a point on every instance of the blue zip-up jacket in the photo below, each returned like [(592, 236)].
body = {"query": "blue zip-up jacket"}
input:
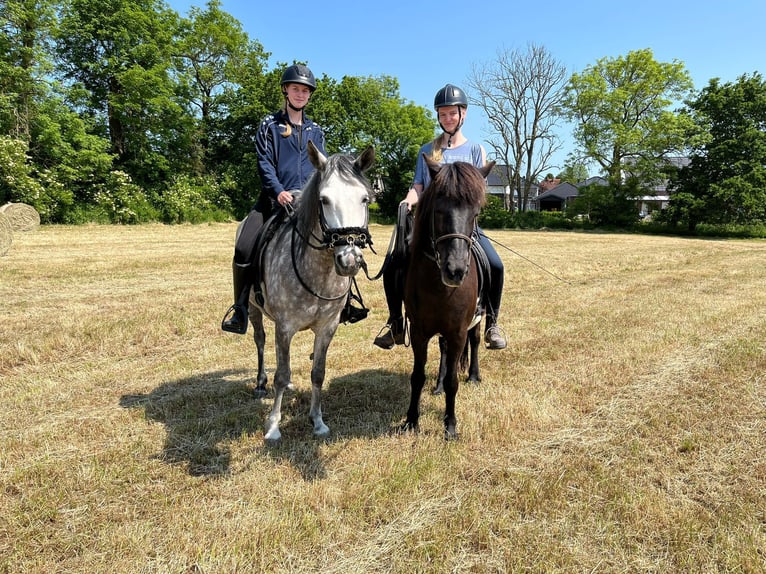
[(283, 162)]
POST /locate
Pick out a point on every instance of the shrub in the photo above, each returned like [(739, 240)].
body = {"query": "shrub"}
[(194, 200), (19, 183)]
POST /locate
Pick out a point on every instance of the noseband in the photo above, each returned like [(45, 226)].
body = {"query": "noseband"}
[(333, 237)]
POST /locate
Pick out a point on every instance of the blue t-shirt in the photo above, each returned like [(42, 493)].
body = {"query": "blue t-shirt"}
[(468, 152)]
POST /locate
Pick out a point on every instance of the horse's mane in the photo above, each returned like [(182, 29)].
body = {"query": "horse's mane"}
[(460, 183), (307, 208)]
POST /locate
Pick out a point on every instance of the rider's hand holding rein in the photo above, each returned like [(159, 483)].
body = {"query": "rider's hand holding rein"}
[(412, 196), (285, 197)]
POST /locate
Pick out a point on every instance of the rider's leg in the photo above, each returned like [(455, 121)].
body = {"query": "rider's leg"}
[(392, 332), (235, 320), (493, 335)]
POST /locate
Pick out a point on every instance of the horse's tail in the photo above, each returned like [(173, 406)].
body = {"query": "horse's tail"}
[(463, 363)]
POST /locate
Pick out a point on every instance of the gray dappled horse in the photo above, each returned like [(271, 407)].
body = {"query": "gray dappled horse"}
[(441, 294), (306, 272)]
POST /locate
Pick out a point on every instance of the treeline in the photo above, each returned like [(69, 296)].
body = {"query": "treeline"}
[(125, 111)]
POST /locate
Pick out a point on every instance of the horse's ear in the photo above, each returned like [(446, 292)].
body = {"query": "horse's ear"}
[(485, 171), (433, 167), (366, 160), (317, 159)]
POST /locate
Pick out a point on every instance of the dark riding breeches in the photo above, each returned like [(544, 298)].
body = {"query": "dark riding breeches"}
[(493, 289), (245, 244)]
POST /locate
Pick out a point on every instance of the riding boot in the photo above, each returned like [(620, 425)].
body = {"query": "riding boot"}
[(235, 320), (493, 336), (393, 335)]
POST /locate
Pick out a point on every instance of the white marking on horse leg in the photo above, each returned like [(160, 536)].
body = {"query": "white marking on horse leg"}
[(320, 429), (272, 423)]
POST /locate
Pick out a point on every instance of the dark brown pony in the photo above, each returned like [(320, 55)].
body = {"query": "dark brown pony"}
[(442, 289)]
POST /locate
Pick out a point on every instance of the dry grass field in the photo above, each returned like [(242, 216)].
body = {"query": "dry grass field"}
[(622, 430)]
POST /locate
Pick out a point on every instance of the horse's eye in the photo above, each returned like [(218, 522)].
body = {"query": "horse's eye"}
[(365, 200), (324, 200)]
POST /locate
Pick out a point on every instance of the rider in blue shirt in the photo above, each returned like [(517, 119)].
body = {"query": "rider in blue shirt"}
[(451, 105), (284, 167)]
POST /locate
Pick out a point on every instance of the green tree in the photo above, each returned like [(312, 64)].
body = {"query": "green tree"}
[(725, 182), (573, 173), (211, 58), (620, 110), (232, 153), (608, 205), (119, 52), (24, 62), (359, 111)]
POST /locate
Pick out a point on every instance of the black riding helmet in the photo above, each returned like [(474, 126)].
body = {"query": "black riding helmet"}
[(451, 95), (299, 74)]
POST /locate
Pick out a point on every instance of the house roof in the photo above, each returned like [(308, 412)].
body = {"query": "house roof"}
[(562, 191), (597, 179), (497, 180), (497, 176)]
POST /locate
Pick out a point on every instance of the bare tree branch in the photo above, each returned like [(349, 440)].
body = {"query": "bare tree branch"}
[(520, 93)]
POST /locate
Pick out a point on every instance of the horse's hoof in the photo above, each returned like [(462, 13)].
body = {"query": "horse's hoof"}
[(272, 437), (450, 435), (407, 428), (473, 381), (260, 392), (438, 389)]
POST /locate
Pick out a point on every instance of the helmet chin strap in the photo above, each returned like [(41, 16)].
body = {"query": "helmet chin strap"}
[(292, 107), (453, 132), (289, 103)]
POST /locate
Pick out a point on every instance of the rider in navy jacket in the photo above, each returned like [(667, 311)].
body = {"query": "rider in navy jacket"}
[(284, 167), (283, 162)]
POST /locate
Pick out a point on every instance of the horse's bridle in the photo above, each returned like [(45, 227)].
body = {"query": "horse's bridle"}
[(447, 236), (332, 237)]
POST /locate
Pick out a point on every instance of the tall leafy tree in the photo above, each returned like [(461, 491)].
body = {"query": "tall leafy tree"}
[(725, 183), (63, 164), (118, 51), (212, 58), (620, 107), (24, 62), (232, 145)]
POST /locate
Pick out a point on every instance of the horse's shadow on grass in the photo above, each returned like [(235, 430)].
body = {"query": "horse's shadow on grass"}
[(204, 414)]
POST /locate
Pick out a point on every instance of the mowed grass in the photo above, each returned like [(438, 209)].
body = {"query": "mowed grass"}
[(622, 430)]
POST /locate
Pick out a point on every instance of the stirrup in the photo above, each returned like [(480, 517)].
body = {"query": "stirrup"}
[(494, 338), (350, 313), (385, 339), (231, 322)]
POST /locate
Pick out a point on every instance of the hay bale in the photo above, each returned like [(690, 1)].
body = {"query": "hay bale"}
[(6, 234), (23, 217)]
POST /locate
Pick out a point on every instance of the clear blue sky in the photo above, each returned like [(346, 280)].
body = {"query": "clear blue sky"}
[(428, 44)]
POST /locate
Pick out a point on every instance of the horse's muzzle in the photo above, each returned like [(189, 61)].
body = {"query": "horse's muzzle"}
[(348, 260), (454, 277), (454, 269)]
